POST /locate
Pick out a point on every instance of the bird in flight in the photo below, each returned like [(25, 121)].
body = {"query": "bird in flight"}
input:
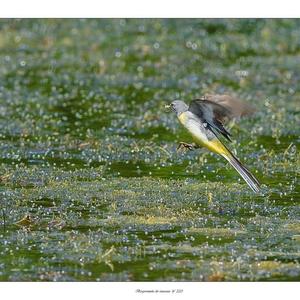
[(204, 119)]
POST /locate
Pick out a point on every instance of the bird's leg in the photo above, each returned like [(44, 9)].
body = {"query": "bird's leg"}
[(183, 145)]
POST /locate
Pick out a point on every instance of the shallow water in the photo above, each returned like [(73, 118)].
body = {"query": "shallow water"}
[(92, 187)]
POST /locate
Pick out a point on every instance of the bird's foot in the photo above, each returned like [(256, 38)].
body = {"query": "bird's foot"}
[(183, 145)]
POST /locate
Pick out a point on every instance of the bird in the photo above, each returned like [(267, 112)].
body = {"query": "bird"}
[(204, 119)]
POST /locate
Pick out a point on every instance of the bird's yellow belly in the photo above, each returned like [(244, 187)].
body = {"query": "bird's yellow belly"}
[(199, 136), (217, 147)]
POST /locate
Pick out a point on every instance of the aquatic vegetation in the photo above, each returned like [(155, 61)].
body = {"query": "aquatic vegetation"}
[(92, 187)]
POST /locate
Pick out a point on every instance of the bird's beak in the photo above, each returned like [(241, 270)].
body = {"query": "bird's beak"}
[(168, 106)]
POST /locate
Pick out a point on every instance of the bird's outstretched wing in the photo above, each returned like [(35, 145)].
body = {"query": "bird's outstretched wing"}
[(235, 106), (212, 114)]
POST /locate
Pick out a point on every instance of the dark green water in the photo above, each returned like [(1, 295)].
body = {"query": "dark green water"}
[(92, 187)]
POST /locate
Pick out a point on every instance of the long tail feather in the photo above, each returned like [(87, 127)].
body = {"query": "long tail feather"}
[(218, 147), (243, 171)]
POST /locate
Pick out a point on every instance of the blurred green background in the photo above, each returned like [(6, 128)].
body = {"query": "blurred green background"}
[(92, 187)]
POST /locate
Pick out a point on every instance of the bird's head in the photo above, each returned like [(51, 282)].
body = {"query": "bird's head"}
[(178, 106)]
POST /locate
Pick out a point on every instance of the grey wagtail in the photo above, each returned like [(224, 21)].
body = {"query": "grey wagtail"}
[(204, 118)]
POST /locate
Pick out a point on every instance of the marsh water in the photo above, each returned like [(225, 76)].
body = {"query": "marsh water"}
[(92, 185)]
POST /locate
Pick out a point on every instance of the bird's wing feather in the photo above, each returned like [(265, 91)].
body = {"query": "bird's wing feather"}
[(212, 114), (235, 106)]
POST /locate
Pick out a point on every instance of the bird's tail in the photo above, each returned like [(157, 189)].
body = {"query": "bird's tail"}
[(218, 147), (243, 171)]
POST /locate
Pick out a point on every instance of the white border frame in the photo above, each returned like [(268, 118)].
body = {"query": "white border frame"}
[(150, 9)]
